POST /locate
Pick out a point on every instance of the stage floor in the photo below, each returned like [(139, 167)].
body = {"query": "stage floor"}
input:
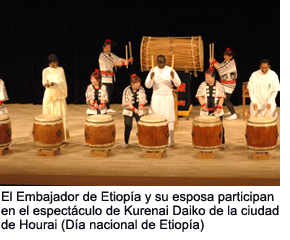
[(73, 165)]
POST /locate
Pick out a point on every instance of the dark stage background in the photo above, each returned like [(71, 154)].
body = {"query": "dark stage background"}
[(76, 30)]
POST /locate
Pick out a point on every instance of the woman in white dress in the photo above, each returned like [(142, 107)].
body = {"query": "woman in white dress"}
[(3, 97), (162, 101), (54, 100)]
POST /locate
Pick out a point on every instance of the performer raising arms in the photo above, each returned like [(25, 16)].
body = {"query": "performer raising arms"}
[(107, 62), (54, 100), (96, 95), (3, 97), (263, 88), (228, 75), (133, 101), (211, 95), (162, 101)]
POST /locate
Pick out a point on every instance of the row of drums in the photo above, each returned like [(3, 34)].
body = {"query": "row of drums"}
[(100, 132)]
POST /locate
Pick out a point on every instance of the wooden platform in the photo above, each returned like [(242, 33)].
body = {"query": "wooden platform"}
[(21, 165)]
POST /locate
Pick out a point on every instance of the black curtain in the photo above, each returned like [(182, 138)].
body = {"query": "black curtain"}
[(76, 30)]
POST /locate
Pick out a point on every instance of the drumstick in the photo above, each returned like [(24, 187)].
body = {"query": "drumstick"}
[(126, 48), (266, 112), (152, 63), (172, 65), (212, 50), (256, 112), (130, 51)]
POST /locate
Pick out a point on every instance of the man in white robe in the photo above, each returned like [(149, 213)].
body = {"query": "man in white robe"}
[(263, 88), (162, 101), (54, 100)]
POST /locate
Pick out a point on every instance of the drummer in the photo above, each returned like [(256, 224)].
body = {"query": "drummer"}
[(211, 95), (263, 88), (54, 99), (108, 62), (3, 97), (162, 102), (228, 75), (133, 101), (96, 95)]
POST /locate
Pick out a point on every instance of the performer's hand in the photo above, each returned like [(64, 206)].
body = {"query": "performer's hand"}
[(204, 108), (51, 84), (46, 85), (255, 106), (141, 107), (268, 105), (136, 111), (131, 59), (152, 75), (211, 60), (218, 110), (172, 74)]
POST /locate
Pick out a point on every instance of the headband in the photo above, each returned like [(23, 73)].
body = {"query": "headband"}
[(108, 42)]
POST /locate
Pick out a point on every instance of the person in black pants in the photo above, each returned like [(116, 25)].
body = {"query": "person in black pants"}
[(133, 100)]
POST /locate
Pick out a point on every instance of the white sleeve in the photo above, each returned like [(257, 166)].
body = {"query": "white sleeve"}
[(176, 80), (273, 96), (149, 81)]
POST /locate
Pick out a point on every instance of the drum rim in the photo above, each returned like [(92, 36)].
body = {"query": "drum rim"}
[(261, 117), (4, 119), (91, 118), (216, 120), (36, 118), (161, 116)]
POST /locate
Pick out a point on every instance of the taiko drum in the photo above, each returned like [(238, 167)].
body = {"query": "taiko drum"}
[(261, 133), (153, 132), (48, 131), (5, 131), (207, 133), (100, 131)]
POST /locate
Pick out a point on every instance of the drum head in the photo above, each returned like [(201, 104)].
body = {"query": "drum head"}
[(261, 120), (100, 118), (3, 117), (206, 119), (47, 118), (153, 119)]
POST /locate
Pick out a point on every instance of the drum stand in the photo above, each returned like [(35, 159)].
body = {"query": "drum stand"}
[(2, 150), (261, 155), (154, 153), (205, 154), (100, 152), (49, 152)]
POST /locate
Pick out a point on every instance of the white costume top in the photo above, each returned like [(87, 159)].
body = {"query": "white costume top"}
[(228, 75), (162, 101), (3, 97), (107, 64), (54, 100), (263, 89), (102, 96), (218, 92)]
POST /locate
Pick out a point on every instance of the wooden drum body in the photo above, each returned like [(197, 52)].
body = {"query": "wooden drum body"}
[(207, 133), (100, 131), (188, 52), (261, 133), (5, 131), (153, 132), (48, 131)]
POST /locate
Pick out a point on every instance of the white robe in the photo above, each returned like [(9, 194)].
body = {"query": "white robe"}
[(3, 97), (54, 100), (162, 101), (263, 89)]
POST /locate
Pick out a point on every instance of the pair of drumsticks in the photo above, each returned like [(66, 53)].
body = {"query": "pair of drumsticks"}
[(130, 50)]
